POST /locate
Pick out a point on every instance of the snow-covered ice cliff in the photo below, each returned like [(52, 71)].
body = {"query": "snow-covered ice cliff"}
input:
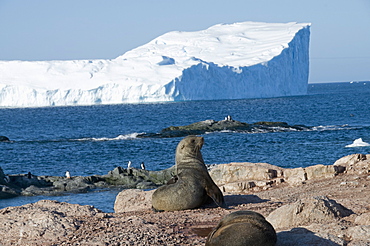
[(241, 60)]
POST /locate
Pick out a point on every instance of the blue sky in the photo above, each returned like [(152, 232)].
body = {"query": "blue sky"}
[(96, 29)]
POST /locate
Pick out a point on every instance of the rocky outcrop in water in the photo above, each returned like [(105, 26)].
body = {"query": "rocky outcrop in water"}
[(227, 124), (4, 139), (138, 178), (32, 185)]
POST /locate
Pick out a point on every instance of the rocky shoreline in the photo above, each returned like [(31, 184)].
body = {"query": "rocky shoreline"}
[(32, 185), (316, 205)]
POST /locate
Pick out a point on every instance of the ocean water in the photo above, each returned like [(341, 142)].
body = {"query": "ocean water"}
[(88, 140)]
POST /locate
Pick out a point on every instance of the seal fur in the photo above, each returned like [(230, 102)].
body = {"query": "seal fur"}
[(243, 228), (192, 184)]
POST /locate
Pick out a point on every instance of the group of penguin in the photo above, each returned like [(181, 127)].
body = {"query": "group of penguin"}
[(142, 165)]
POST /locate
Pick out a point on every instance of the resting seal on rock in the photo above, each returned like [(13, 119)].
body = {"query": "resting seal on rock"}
[(242, 228), (192, 185)]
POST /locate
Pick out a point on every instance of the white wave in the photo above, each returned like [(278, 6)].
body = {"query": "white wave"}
[(358, 143), (333, 127), (283, 129), (119, 137)]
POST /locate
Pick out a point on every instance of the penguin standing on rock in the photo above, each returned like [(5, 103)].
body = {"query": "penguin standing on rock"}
[(129, 165), (7, 179), (68, 175), (142, 166)]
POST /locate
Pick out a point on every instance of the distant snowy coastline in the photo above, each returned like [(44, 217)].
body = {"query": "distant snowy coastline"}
[(240, 60)]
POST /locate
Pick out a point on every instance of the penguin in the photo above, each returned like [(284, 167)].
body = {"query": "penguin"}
[(7, 179), (142, 166)]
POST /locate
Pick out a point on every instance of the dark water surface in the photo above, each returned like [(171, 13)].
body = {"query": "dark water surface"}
[(89, 140)]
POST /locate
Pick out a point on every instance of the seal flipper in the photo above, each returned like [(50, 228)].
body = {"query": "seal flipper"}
[(216, 195), (173, 180)]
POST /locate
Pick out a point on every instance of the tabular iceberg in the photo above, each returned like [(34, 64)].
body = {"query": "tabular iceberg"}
[(240, 60)]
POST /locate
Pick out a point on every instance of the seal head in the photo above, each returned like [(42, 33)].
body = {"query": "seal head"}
[(243, 228)]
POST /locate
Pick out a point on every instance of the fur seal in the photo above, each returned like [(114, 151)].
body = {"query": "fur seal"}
[(243, 228), (192, 185)]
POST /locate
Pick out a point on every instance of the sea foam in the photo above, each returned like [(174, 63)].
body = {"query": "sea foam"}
[(119, 137)]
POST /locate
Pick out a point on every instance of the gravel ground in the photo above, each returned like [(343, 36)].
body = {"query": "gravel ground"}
[(54, 223)]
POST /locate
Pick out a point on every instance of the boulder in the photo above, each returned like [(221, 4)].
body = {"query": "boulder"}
[(350, 160), (307, 211), (361, 232), (322, 171), (302, 236), (8, 192), (356, 163), (359, 243), (299, 175), (76, 184), (42, 222), (26, 180), (4, 139), (138, 178), (295, 175), (237, 172), (35, 191), (239, 177), (133, 200), (363, 219)]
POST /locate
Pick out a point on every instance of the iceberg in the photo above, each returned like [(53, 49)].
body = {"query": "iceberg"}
[(358, 143), (225, 61)]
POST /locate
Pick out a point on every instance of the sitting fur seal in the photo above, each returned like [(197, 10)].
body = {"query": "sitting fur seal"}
[(192, 185), (243, 228)]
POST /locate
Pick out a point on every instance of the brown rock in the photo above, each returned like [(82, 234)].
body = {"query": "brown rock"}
[(350, 160), (41, 222), (133, 200), (302, 236), (295, 176), (321, 171), (363, 219), (307, 211), (361, 232), (236, 172), (355, 164)]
